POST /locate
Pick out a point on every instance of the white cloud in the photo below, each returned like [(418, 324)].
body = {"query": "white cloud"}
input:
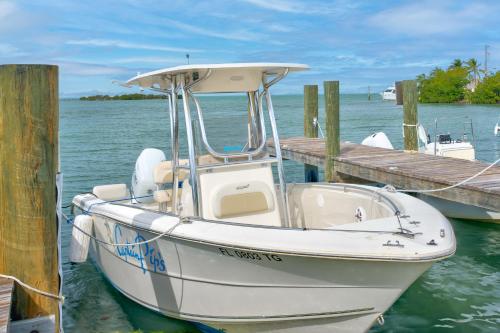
[(127, 45), (7, 8), (278, 5), (86, 69), (241, 35), (431, 17), (304, 7), (8, 50), (276, 27), (13, 19), (149, 60)]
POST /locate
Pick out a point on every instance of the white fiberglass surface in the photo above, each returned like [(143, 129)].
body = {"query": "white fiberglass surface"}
[(321, 207)]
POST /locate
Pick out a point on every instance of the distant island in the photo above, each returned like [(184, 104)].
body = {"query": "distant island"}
[(126, 97), (461, 82)]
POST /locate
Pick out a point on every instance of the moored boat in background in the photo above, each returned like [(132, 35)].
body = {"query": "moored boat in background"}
[(389, 94), (443, 146)]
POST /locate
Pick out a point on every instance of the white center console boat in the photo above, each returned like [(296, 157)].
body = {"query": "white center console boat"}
[(210, 238), (445, 145)]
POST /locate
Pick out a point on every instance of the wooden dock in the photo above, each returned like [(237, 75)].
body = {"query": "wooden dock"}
[(6, 290), (404, 170)]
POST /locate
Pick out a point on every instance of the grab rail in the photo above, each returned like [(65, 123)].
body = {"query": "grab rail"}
[(212, 151)]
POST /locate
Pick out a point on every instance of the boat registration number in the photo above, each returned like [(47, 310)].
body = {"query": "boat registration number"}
[(249, 255)]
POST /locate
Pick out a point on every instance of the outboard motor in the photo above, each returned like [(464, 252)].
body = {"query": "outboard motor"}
[(142, 180), (378, 139)]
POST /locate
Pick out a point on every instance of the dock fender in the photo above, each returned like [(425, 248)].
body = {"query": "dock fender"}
[(79, 247)]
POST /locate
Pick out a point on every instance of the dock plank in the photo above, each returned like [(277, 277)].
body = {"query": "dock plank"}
[(6, 289), (403, 169)]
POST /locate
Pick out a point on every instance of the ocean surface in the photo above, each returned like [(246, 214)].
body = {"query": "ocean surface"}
[(100, 141)]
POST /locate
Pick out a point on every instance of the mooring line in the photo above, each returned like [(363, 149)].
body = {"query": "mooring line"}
[(391, 188), (60, 298), (168, 232)]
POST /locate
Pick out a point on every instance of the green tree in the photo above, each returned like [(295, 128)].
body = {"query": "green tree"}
[(487, 91), (125, 97), (457, 63), (474, 71), (444, 86)]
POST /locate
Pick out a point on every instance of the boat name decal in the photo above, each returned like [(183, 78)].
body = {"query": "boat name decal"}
[(145, 254), (249, 255), (396, 244)]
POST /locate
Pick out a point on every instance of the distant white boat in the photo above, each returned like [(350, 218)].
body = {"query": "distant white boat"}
[(497, 129), (389, 94), (443, 146)]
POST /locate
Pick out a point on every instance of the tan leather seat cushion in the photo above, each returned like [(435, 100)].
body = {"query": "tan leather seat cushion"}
[(242, 198), (163, 172), (242, 204), (111, 192)]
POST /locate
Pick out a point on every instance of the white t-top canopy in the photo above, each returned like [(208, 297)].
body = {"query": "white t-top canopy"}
[(240, 77)]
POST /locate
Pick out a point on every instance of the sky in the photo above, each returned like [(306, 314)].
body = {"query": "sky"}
[(359, 43)]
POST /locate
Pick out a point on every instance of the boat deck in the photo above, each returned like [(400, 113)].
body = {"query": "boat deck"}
[(403, 170), (6, 289)]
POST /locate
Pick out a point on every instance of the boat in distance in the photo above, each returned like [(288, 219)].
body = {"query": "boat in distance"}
[(444, 146), (210, 238), (389, 94)]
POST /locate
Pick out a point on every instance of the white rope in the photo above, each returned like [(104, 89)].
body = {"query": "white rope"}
[(181, 220), (391, 188), (316, 124), (60, 298), (409, 125)]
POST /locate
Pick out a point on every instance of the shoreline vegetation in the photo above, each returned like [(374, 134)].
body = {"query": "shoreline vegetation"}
[(125, 97), (462, 82)]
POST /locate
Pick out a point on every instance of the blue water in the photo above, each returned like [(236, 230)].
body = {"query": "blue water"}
[(100, 142)]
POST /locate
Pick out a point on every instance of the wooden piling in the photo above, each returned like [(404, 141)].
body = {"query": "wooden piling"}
[(332, 109), (410, 117), (310, 130), (399, 92), (29, 116)]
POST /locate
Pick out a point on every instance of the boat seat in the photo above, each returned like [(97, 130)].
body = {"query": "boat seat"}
[(163, 173), (162, 196), (111, 192), (240, 193), (240, 199)]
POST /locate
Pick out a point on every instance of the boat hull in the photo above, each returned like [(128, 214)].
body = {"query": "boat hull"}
[(249, 291), (461, 211)]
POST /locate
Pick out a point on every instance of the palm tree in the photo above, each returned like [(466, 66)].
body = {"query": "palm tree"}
[(457, 63), (420, 80), (435, 71), (474, 72), (473, 69)]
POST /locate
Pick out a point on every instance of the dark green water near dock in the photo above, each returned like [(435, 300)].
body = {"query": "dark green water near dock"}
[(100, 142)]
